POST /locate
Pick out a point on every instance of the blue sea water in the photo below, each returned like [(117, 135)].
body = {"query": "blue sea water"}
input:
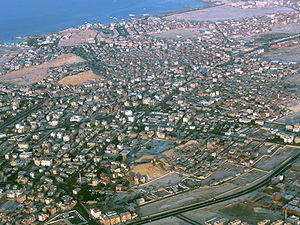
[(30, 17)]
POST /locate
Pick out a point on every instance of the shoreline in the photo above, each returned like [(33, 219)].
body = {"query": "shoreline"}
[(207, 6), (22, 39)]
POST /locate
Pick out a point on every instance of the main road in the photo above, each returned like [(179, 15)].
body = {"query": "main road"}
[(199, 205), (21, 115)]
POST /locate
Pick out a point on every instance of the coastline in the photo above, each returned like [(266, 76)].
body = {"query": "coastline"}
[(207, 6), (13, 43)]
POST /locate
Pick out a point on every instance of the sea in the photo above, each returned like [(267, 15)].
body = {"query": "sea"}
[(19, 18)]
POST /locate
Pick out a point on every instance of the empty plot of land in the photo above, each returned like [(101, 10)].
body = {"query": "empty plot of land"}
[(223, 173), (179, 33), (6, 56), (248, 178), (292, 28), (156, 147), (246, 212), (277, 32), (147, 169), (294, 116), (79, 79), (294, 106), (185, 199), (145, 159), (288, 54), (169, 221), (216, 211), (221, 13), (294, 79), (203, 214), (76, 37), (270, 163), (165, 181), (35, 74)]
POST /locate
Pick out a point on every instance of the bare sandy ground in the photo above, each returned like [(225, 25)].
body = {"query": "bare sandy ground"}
[(222, 173), (294, 106), (291, 54), (79, 79), (232, 209), (271, 163), (292, 28), (169, 221), (179, 33), (294, 116), (77, 37), (8, 55), (221, 13), (145, 158), (147, 169), (35, 74), (205, 193), (186, 199), (163, 181), (294, 79), (287, 29)]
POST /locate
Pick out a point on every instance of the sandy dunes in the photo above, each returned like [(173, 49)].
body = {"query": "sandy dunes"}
[(79, 79), (147, 169), (35, 74)]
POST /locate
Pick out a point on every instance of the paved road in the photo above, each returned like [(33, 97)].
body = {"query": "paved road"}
[(21, 115)]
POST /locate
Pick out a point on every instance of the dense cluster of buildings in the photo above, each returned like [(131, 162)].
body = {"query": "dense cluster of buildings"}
[(70, 148)]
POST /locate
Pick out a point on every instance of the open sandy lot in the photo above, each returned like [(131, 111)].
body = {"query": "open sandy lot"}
[(79, 79), (179, 33), (185, 199), (147, 169), (220, 210), (249, 213), (239, 183), (77, 37), (35, 74), (221, 13), (157, 147), (162, 182), (294, 79), (294, 106), (169, 221), (288, 54), (294, 116), (222, 173), (6, 55), (292, 28), (247, 178), (270, 163), (277, 32)]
